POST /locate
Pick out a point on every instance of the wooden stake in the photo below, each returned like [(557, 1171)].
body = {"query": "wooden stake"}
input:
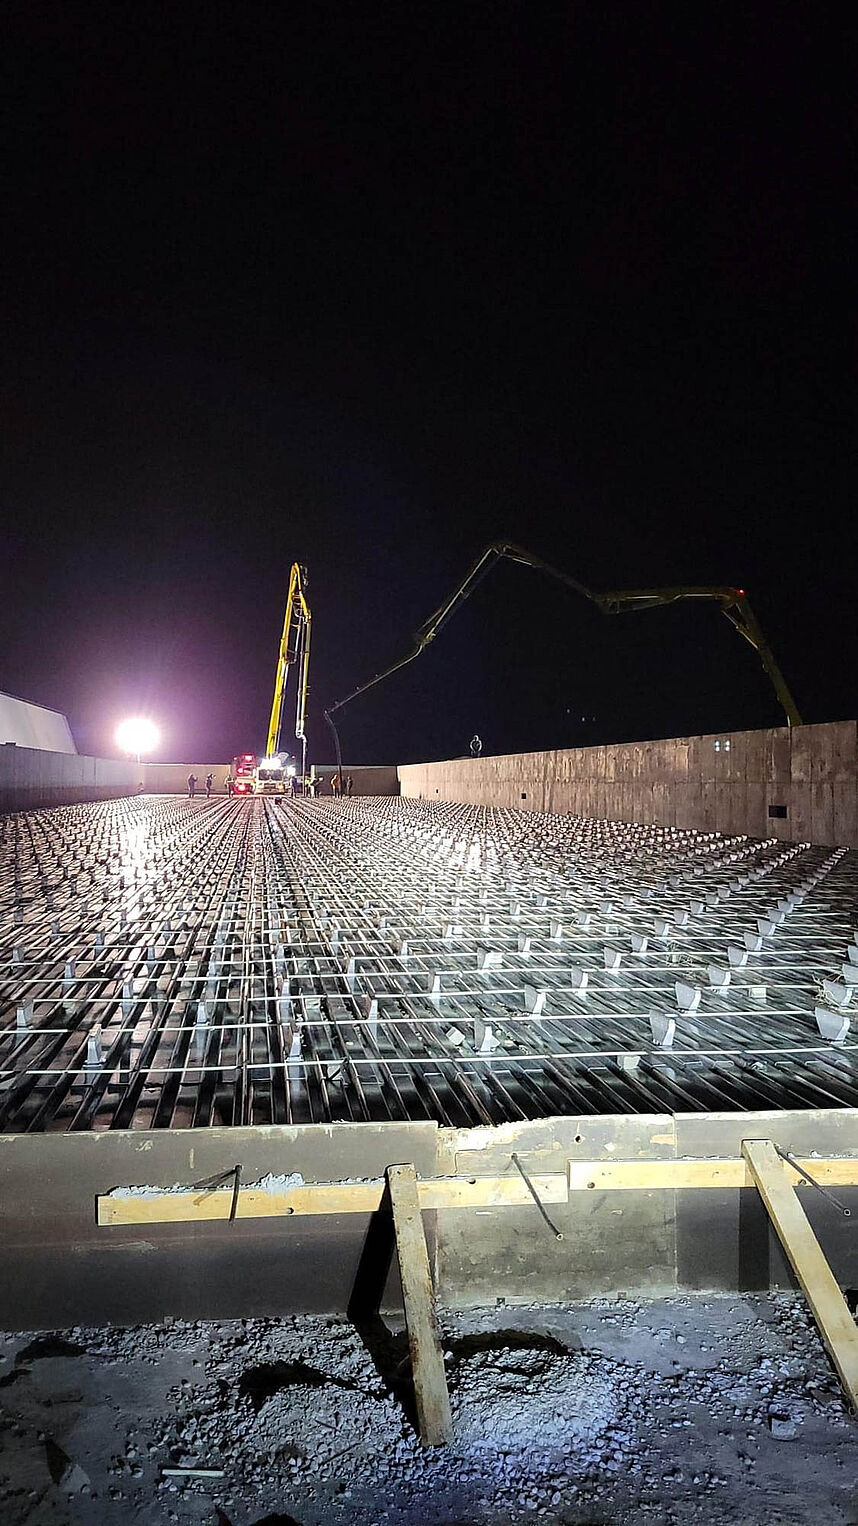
[(818, 1283), (427, 1361)]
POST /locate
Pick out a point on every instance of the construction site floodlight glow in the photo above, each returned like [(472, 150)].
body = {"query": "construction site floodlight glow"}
[(137, 735)]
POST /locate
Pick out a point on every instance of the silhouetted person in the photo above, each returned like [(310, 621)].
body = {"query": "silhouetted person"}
[(335, 785), (350, 784), (209, 783), (228, 784), (476, 746), (192, 784)]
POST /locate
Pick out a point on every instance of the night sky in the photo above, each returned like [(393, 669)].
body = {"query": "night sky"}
[(368, 286)]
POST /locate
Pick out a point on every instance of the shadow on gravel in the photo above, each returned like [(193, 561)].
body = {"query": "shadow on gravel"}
[(46, 1346), (278, 1519), (14, 1376), (506, 1340), (259, 1384)]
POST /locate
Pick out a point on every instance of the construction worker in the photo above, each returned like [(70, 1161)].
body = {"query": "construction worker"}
[(209, 783), (228, 784), (350, 784), (335, 784), (192, 784)]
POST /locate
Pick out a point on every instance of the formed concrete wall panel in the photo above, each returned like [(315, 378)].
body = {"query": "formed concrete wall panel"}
[(60, 1268), (32, 779), (611, 1242), (379, 779), (738, 782), (172, 778)]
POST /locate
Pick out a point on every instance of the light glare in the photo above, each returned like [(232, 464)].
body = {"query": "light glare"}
[(137, 735)]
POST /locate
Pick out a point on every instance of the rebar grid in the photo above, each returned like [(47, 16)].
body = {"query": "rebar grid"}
[(175, 963)]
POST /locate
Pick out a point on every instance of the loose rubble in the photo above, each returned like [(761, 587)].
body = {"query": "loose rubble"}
[(678, 1410)]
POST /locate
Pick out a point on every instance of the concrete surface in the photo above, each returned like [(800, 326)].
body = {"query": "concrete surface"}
[(60, 1267), (32, 779), (727, 783), (29, 725)]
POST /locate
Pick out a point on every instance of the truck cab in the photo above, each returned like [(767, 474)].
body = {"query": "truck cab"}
[(269, 779)]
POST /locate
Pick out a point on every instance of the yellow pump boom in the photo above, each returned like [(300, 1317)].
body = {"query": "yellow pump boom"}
[(294, 649)]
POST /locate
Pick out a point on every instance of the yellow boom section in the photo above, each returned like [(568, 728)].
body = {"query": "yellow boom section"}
[(294, 649)]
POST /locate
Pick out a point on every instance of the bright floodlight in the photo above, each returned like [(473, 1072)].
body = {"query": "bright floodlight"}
[(137, 735)]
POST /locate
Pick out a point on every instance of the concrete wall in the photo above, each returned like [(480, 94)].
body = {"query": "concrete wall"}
[(34, 726), (172, 778), (381, 779), (634, 1243), (59, 1268), (727, 783), (31, 778)]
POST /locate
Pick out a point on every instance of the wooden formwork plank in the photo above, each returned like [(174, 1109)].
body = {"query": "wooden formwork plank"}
[(324, 1197), (655, 1175), (818, 1283), (427, 1358), (171, 1207)]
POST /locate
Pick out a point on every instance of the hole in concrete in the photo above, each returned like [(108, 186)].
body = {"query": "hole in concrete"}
[(47, 1346), (261, 1383), (578, 1138)]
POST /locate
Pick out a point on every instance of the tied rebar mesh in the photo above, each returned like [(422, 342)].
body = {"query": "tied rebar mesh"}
[(167, 963)]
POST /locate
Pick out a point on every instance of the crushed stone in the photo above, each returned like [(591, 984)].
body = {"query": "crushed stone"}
[(681, 1410)]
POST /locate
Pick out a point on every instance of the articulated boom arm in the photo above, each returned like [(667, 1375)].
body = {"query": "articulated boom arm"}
[(294, 648), (733, 602)]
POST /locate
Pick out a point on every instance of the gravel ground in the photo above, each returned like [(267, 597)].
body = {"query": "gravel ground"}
[(684, 1409)]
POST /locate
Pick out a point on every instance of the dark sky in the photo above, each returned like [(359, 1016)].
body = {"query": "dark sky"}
[(368, 286)]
